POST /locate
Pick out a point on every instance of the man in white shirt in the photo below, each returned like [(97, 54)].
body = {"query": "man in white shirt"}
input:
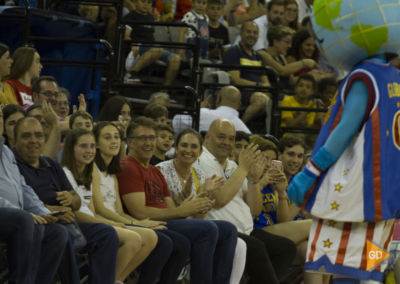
[(238, 200), (228, 102), (273, 17)]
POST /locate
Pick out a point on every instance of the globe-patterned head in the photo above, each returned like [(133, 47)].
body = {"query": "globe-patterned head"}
[(348, 31)]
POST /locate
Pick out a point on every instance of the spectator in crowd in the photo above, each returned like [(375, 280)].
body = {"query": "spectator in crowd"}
[(280, 40), (237, 201), (34, 243), (157, 112), (291, 15), (305, 8), (184, 181), (164, 142), (77, 162), (25, 68), (11, 114), (198, 19), (148, 54), (303, 47), (45, 88), (291, 153), (227, 104), (161, 98), (278, 216), (304, 89), (49, 121), (145, 195), (219, 36), (170, 254), (273, 17), (61, 105), (327, 88), (81, 119), (243, 54), (6, 91), (49, 182), (242, 141)]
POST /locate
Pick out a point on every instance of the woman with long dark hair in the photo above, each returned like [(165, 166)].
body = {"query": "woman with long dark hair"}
[(6, 92)]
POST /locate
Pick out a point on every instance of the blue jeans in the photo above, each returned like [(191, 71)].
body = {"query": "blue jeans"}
[(102, 246), (204, 236), (34, 251)]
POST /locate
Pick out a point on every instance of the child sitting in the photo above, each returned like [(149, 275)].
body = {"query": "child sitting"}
[(165, 139), (198, 19), (148, 54), (219, 37)]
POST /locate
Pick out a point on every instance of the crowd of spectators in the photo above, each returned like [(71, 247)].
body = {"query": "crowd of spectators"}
[(146, 193)]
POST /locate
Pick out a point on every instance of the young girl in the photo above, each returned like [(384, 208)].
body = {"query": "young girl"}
[(77, 161), (168, 257)]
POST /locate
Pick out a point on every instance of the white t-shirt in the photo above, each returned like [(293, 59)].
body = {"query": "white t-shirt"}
[(84, 193), (236, 211), (207, 116), (107, 189), (304, 9)]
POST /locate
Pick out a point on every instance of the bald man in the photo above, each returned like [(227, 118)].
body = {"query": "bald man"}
[(237, 201), (228, 102)]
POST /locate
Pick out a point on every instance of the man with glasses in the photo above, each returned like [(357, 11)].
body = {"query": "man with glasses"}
[(145, 194), (45, 89)]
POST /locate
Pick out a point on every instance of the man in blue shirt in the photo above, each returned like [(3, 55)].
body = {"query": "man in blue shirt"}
[(52, 186), (34, 243)]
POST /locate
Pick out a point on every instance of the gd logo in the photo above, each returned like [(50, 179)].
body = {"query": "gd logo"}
[(396, 130), (375, 255)]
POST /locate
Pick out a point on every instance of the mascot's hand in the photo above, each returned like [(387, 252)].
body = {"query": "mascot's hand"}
[(303, 181), (299, 185)]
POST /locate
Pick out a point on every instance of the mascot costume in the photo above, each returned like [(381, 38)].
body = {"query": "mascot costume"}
[(351, 185)]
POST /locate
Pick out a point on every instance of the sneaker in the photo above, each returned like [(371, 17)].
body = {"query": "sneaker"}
[(131, 77)]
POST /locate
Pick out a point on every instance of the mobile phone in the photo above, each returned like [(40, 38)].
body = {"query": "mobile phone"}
[(58, 213), (120, 118), (277, 165)]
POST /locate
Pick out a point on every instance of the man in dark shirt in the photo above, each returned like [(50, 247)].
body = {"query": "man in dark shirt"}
[(243, 54), (48, 180), (148, 54)]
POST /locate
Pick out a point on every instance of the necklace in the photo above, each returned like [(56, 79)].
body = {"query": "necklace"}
[(181, 178)]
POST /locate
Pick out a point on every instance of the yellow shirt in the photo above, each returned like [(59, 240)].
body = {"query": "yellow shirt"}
[(7, 95), (290, 101)]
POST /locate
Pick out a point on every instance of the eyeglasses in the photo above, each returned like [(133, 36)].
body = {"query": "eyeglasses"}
[(49, 94), (143, 138)]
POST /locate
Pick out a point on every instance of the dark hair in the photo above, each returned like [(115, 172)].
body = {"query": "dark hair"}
[(297, 40), (79, 113), (215, 2), (9, 110), (32, 107), (112, 108), (155, 111), (36, 83), (307, 77), (22, 120), (289, 141), (68, 157), (241, 135), (114, 166), (277, 33), (140, 121), (264, 144), (326, 82), (189, 131), (23, 59), (274, 3), (3, 49), (64, 91), (165, 128)]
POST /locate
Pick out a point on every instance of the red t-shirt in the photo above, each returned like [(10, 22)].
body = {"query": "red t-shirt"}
[(23, 93), (135, 178)]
